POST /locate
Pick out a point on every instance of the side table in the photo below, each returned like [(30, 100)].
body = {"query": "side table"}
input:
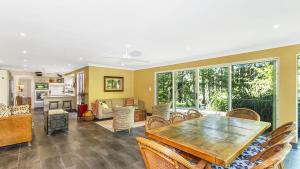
[(139, 115), (56, 120)]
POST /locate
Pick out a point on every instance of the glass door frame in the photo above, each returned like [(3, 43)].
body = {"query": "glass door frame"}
[(297, 95), (229, 65)]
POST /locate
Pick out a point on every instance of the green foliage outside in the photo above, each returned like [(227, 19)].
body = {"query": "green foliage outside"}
[(185, 89), (253, 86)]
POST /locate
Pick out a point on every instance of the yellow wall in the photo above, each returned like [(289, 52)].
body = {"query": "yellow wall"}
[(144, 79), (96, 83)]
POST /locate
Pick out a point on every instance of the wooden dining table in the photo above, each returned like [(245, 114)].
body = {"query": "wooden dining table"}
[(214, 138)]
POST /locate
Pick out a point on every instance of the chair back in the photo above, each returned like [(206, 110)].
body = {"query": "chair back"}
[(162, 110), (123, 118), (156, 156), (244, 113), (285, 137), (193, 113), (272, 157), (177, 117), (283, 128), (154, 122)]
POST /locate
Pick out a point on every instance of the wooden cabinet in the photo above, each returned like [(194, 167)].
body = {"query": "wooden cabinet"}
[(139, 115)]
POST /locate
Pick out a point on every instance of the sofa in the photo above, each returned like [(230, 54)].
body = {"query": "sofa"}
[(15, 124), (103, 108)]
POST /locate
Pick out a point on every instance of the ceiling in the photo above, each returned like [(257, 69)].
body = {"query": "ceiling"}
[(62, 35)]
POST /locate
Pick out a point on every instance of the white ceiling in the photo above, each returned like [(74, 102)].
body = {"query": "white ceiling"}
[(62, 35)]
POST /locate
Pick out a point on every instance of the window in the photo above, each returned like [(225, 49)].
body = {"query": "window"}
[(216, 90), (254, 87), (80, 87), (164, 87), (213, 89), (185, 96)]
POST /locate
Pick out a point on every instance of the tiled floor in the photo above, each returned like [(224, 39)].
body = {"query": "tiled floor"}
[(86, 146)]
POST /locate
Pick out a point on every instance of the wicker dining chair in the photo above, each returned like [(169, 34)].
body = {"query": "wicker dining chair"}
[(123, 118), (154, 122), (285, 137), (156, 156), (281, 129), (177, 117), (193, 113), (162, 110), (244, 113), (272, 158)]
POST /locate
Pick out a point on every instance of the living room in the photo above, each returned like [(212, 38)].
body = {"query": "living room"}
[(154, 84)]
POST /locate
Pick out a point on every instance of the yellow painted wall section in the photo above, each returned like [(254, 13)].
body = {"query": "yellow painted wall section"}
[(96, 83), (144, 79)]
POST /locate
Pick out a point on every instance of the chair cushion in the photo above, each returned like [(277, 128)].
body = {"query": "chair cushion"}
[(260, 140), (237, 164), (58, 111), (4, 111)]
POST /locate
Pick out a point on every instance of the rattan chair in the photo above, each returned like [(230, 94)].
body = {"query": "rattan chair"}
[(154, 122), (281, 129), (193, 113), (123, 118), (156, 156), (285, 137), (273, 157), (244, 114), (177, 117), (162, 110)]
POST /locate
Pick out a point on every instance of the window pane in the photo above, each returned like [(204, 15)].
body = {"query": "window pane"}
[(164, 87), (254, 87), (213, 89), (185, 89)]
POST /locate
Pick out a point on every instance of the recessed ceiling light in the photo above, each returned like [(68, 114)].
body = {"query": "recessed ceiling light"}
[(23, 34), (25, 60), (122, 64), (276, 26), (25, 65), (69, 64), (24, 52), (81, 58)]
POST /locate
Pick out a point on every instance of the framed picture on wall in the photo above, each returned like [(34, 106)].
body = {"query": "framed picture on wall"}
[(113, 84)]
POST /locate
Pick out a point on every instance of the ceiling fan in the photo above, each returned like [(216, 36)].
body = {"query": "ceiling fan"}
[(129, 57)]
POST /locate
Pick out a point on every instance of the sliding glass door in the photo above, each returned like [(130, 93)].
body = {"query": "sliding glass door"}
[(185, 90), (214, 90), (254, 87), (164, 87), (218, 89)]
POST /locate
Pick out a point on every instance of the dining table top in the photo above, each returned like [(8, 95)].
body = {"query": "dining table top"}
[(214, 138)]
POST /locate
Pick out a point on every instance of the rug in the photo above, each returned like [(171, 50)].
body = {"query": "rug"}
[(107, 124)]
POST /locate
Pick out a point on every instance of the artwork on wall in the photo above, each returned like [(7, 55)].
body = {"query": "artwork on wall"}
[(113, 84)]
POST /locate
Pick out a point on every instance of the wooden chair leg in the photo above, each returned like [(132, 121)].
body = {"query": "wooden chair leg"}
[(129, 130)]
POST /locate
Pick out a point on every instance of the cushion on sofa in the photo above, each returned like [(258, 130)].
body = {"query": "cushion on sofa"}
[(107, 111), (117, 102), (4, 111), (129, 102), (20, 110), (107, 101)]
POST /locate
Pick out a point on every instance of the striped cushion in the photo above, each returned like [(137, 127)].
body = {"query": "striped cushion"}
[(4, 111)]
